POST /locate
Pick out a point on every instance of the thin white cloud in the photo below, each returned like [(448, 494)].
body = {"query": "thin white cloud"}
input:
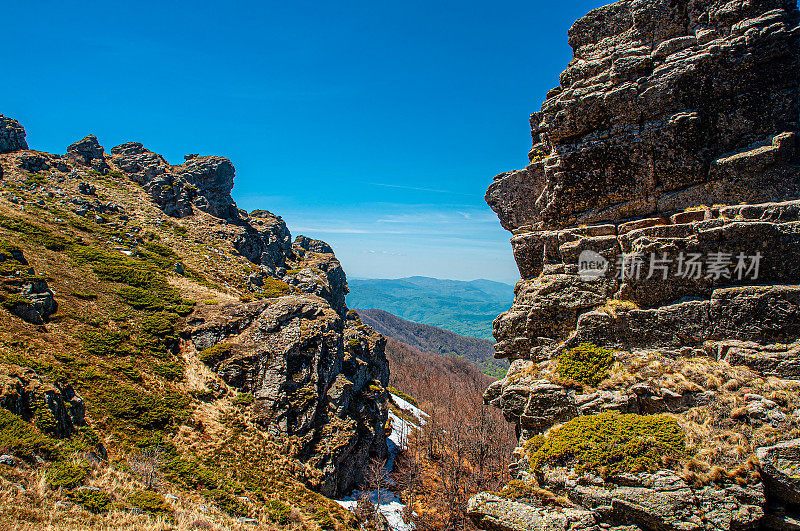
[(420, 189)]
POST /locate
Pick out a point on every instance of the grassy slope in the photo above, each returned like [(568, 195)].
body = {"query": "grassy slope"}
[(142, 386)]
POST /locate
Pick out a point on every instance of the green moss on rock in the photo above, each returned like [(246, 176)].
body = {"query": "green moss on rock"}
[(587, 363), (611, 443), (215, 354)]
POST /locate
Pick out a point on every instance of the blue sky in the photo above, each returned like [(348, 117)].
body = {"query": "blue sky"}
[(375, 126)]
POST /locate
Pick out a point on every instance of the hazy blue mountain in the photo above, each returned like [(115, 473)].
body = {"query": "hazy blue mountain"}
[(435, 340), (466, 308)]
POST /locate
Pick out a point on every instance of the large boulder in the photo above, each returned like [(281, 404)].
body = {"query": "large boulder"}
[(12, 135), (664, 106), (88, 152), (54, 407), (213, 178), (658, 219), (780, 466)]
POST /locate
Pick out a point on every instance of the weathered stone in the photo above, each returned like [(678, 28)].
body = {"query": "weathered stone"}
[(650, 118), (674, 134), (315, 375), (12, 135), (213, 178), (25, 393), (780, 465), (497, 514), (88, 152)]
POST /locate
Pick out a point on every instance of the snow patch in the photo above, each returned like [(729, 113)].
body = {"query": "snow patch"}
[(411, 408)]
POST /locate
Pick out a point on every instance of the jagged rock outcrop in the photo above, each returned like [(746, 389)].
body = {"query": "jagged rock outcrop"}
[(23, 293), (317, 375), (666, 105), (54, 407), (12, 135), (88, 152), (658, 220)]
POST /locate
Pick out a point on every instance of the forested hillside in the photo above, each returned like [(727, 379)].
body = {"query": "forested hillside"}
[(433, 339)]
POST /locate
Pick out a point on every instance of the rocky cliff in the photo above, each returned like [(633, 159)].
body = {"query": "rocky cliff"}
[(654, 333), (141, 306)]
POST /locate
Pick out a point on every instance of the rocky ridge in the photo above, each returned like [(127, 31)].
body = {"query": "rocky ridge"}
[(273, 326), (671, 141)]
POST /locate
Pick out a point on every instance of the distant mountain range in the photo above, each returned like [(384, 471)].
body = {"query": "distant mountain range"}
[(466, 308), (435, 340)]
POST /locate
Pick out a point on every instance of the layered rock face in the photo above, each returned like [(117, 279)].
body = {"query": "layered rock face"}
[(317, 373), (657, 223), (666, 105)]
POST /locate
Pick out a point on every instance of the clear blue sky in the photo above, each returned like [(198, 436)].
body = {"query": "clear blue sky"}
[(373, 125)]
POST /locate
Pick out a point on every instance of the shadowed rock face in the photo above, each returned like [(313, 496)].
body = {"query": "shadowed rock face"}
[(12, 135), (674, 133), (316, 375), (665, 105)]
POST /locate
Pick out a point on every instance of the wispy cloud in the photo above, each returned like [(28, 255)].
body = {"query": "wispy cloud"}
[(420, 189)]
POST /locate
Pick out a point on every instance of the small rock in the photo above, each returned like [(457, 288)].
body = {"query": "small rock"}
[(250, 521), (87, 189), (7, 460)]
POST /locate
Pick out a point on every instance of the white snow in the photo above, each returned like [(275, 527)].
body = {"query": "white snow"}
[(389, 505), (411, 408)]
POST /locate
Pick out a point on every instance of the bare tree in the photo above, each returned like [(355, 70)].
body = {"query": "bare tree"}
[(146, 466)]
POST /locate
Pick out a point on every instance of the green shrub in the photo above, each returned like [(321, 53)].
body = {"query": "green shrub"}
[(226, 502), (37, 234), (274, 288), (587, 363), (190, 473), (159, 255), (82, 225), (127, 369), (516, 489), (104, 343), (324, 519), (145, 410), (215, 354), (611, 443), (244, 399), (149, 501), (95, 501), (66, 475), (160, 324), (171, 371), (278, 511), (142, 299), (22, 438)]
